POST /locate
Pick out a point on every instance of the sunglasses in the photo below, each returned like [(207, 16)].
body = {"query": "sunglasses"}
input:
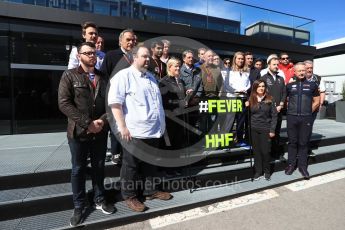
[(285, 58)]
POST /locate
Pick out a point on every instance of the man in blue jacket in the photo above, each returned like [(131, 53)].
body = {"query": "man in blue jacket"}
[(303, 99)]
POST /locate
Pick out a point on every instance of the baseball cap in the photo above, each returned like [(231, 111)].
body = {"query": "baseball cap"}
[(271, 57)]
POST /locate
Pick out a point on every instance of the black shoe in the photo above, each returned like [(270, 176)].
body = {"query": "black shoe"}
[(105, 207), (116, 159), (289, 170), (257, 176), (76, 217), (304, 173), (108, 157), (267, 176)]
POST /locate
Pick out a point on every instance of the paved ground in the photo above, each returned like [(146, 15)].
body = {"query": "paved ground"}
[(317, 204)]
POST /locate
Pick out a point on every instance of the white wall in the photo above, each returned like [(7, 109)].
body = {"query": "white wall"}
[(331, 69)]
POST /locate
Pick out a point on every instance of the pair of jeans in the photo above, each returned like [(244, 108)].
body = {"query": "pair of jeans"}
[(80, 150)]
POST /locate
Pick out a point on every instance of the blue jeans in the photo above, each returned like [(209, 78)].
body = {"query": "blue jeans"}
[(79, 152)]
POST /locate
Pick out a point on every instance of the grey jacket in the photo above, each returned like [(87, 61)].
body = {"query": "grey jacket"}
[(192, 80)]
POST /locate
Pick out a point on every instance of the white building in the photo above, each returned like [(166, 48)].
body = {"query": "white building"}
[(330, 64)]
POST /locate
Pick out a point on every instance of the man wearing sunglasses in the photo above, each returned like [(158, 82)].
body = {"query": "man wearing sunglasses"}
[(225, 70), (286, 66), (81, 97)]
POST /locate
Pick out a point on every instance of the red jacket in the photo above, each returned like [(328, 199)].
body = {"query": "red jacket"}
[(288, 71)]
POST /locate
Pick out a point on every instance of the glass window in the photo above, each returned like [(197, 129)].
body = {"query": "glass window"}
[(43, 49), (100, 8), (35, 101), (5, 101)]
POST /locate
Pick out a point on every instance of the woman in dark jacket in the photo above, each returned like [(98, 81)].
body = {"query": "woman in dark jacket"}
[(263, 121), (173, 95)]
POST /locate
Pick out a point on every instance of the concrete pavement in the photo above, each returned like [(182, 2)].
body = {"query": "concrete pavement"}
[(317, 204)]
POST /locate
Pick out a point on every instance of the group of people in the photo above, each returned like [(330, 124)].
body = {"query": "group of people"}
[(147, 84)]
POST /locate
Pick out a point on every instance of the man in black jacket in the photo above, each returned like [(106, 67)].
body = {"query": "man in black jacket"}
[(81, 98), (303, 100), (120, 58), (254, 74), (114, 61), (276, 88)]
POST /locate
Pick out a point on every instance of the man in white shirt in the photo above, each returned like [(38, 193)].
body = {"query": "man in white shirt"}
[(90, 34), (136, 104)]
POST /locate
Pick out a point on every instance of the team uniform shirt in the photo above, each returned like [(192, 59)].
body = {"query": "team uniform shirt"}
[(301, 94)]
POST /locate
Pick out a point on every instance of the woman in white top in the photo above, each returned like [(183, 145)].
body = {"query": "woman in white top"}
[(236, 85)]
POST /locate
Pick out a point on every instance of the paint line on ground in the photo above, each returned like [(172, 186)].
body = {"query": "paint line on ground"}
[(314, 181), (29, 147), (195, 213)]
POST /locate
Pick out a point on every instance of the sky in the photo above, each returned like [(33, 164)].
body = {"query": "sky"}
[(328, 15)]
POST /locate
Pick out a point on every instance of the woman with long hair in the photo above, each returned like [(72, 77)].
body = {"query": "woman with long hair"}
[(236, 85), (263, 121)]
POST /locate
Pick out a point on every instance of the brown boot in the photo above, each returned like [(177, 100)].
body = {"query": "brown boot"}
[(134, 204), (160, 196)]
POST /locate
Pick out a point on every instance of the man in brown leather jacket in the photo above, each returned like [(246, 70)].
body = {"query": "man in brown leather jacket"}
[(82, 99)]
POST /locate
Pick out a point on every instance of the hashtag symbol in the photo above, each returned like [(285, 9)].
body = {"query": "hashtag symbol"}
[(203, 106)]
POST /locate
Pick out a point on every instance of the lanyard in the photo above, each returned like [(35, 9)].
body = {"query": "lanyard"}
[(160, 68), (127, 59)]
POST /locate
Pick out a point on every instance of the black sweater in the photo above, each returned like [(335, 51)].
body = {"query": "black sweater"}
[(276, 88), (263, 116)]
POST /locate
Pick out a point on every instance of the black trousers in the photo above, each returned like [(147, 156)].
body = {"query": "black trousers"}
[(136, 174), (116, 147), (241, 118), (261, 143), (276, 151), (299, 131)]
